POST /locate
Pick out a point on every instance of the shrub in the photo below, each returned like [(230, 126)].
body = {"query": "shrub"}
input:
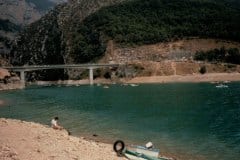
[(203, 69), (231, 55)]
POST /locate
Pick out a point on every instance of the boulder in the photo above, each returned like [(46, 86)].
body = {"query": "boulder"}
[(4, 73)]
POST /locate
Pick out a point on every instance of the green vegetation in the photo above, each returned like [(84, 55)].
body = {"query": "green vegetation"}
[(203, 69), (150, 21), (6, 41), (86, 45), (232, 3), (231, 55)]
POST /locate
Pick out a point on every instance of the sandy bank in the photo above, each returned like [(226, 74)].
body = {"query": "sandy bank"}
[(11, 86), (72, 82), (30, 141), (211, 77)]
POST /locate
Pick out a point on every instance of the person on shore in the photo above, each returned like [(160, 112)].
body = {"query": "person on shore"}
[(54, 124)]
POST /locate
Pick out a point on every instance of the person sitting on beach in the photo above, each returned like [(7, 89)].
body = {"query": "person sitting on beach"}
[(54, 124)]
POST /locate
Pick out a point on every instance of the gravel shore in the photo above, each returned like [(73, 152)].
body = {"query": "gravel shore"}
[(20, 140), (210, 77)]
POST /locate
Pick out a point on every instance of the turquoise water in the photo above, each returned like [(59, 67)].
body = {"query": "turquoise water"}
[(188, 121)]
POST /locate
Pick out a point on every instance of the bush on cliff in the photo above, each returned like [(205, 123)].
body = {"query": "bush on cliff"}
[(231, 55)]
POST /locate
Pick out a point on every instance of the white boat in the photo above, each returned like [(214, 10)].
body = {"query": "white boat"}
[(105, 86), (144, 150), (140, 156), (221, 86), (137, 152), (133, 85), (227, 81)]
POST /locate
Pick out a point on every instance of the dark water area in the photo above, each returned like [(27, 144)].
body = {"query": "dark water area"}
[(190, 121)]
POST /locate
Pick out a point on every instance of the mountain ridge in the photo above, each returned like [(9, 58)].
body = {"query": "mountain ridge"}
[(83, 28)]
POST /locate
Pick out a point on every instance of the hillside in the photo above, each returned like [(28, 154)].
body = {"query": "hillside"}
[(79, 32), (147, 22), (168, 58), (48, 41), (25, 11), (15, 14)]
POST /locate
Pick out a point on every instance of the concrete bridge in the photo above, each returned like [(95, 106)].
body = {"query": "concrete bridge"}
[(91, 67)]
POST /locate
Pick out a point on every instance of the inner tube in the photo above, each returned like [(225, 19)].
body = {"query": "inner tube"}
[(118, 146)]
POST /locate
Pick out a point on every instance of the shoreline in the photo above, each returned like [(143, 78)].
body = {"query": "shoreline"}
[(195, 78), (39, 142), (191, 78), (11, 86)]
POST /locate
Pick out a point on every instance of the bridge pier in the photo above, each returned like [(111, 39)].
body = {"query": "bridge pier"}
[(91, 75), (22, 77)]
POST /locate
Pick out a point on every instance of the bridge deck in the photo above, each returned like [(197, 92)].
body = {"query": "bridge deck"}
[(59, 66)]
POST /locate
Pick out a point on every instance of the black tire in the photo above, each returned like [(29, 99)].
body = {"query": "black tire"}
[(118, 143)]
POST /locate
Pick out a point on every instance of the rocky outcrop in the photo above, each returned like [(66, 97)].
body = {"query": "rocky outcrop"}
[(9, 80), (4, 73)]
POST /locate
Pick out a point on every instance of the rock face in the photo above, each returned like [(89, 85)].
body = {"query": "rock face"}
[(50, 40), (3, 73), (19, 12), (15, 14), (23, 12)]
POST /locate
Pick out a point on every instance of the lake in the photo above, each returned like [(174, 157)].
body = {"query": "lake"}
[(190, 121)]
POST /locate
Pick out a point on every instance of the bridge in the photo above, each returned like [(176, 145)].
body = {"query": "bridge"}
[(27, 68)]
